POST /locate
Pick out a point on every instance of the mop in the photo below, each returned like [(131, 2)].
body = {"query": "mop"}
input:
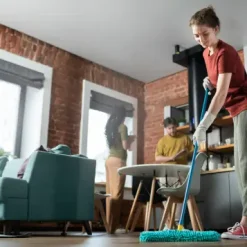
[(182, 235)]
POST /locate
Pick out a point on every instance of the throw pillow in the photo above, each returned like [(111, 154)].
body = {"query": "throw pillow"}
[(20, 174)]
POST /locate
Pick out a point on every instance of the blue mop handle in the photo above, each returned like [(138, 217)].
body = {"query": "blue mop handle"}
[(181, 221)]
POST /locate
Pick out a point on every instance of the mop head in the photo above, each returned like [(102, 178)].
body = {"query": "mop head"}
[(179, 236)]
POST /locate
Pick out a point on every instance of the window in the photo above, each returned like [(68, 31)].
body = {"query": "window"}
[(97, 102), (96, 143), (129, 162), (9, 101), (25, 91)]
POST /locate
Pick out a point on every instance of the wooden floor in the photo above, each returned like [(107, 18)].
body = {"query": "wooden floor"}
[(102, 239)]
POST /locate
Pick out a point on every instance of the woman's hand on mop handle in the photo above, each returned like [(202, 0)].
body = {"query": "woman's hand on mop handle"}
[(200, 133), (207, 84)]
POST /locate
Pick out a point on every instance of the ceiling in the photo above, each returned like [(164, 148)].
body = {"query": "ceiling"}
[(133, 37)]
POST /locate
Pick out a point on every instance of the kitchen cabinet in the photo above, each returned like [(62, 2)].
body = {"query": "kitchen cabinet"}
[(219, 201), (216, 198), (236, 204)]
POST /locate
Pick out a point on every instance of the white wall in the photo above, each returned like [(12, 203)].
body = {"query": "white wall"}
[(36, 117), (32, 121)]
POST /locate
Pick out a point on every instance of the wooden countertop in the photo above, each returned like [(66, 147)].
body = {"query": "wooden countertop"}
[(219, 122), (219, 170)]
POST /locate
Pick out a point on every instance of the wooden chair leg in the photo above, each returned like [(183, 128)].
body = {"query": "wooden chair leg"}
[(136, 217), (154, 218), (146, 216), (197, 214), (166, 212), (100, 207), (133, 206), (172, 220), (192, 215), (151, 202)]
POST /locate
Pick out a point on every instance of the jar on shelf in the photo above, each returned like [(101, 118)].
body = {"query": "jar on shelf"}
[(212, 164)]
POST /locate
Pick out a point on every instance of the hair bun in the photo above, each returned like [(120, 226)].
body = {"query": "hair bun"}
[(206, 16), (210, 9)]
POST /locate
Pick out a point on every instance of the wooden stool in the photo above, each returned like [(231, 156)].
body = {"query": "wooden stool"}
[(171, 208), (140, 208), (143, 197), (151, 172), (98, 204)]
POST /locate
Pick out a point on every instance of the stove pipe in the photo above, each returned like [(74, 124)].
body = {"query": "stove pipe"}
[(193, 60)]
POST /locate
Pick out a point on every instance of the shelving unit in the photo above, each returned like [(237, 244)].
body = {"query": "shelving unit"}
[(223, 121), (228, 148), (218, 170), (219, 122), (224, 149), (185, 129)]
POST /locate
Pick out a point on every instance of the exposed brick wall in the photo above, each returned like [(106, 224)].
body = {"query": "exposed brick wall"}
[(170, 90), (69, 71), (158, 94)]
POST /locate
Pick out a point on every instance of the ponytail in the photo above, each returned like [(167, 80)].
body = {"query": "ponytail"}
[(111, 130)]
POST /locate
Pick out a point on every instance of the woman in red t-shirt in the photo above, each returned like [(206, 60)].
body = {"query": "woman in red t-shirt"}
[(226, 73)]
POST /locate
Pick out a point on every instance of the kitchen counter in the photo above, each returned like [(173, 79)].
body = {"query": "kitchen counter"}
[(219, 201), (218, 171)]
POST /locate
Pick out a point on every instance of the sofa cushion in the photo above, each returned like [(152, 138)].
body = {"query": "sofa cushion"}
[(12, 188), (59, 149), (12, 167), (20, 173)]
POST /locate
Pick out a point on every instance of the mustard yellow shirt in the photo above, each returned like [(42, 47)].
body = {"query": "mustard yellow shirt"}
[(169, 146)]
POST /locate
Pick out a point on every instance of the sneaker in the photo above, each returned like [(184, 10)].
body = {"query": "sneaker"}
[(236, 232)]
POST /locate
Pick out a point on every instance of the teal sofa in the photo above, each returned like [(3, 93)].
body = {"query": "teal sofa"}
[(3, 162), (55, 188)]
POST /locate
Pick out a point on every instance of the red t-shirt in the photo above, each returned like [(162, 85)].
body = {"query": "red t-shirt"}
[(226, 60)]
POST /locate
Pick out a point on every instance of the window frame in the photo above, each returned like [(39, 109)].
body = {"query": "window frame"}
[(46, 100), (86, 95)]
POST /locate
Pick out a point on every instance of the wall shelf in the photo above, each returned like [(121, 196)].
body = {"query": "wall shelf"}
[(185, 129), (228, 148), (223, 121), (219, 122), (218, 170)]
